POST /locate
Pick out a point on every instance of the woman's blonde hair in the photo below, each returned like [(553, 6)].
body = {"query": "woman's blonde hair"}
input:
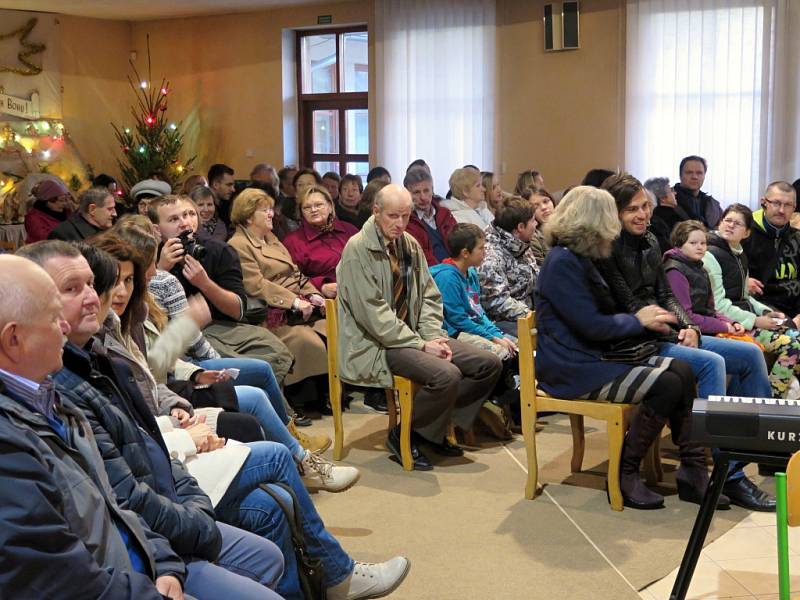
[(461, 180), (247, 203), (314, 189), (585, 221)]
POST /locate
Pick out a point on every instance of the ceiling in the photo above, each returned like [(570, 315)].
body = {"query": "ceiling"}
[(145, 10)]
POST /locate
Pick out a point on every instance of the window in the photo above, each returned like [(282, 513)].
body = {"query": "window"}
[(333, 82), (699, 82)]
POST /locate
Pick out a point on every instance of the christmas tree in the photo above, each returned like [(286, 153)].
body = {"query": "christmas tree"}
[(154, 144)]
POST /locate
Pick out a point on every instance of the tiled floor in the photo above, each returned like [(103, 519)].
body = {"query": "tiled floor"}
[(740, 564)]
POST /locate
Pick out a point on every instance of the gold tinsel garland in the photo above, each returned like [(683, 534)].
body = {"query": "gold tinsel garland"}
[(30, 49)]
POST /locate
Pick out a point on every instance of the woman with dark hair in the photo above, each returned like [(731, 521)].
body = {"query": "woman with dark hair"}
[(726, 264), (348, 207), (210, 226), (578, 324), (316, 247)]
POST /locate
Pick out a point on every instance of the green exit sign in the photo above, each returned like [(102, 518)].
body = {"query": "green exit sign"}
[(324, 19)]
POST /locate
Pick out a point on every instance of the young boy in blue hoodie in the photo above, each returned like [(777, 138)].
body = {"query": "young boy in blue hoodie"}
[(457, 280)]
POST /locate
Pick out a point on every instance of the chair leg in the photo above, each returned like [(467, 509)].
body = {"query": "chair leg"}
[(406, 405), (335, 393), (616, 437), (391, 406), (578, 442), (529, 435)]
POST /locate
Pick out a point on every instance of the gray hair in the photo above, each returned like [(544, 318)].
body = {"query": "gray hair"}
[(94, 195), (585, 221), (41, 252), (659, 186), (266, 168), (417, 175)]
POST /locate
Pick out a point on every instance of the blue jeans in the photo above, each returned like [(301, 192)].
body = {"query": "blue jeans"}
[(257, 373), (253, 401), (249, 507), (247, 567), (743, 361)]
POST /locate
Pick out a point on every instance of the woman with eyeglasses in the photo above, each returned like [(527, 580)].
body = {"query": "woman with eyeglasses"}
[(294, 304), (316, 247), (727, 267)]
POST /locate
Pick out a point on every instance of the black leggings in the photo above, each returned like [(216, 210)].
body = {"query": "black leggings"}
[(674, 390)]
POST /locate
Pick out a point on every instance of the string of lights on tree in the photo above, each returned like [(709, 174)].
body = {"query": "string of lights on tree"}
[(153, 144), (42, 140)]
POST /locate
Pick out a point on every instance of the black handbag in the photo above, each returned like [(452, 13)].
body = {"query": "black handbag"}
[(630, 351), (309, 570)]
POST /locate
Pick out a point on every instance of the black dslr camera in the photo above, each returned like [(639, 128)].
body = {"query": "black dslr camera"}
[(192, 247)]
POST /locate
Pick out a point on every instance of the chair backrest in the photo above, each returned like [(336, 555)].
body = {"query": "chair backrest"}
[(332, 333), (526, 334), (793, 490)]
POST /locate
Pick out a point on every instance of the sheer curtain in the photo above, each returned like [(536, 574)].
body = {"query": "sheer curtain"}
[(435, 85), (712, 77)]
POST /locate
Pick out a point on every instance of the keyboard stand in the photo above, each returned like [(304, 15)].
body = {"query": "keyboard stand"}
[(722, 461)]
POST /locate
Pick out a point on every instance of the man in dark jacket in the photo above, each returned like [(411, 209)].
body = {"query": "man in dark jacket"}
[(134, 454), (773, 251), (62, 533), (96, 213), (698, 205)]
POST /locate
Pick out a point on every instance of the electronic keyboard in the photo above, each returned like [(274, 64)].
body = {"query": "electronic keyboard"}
[(738, 423)]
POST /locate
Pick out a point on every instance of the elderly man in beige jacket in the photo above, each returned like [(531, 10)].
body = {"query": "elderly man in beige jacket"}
[(390, 315)]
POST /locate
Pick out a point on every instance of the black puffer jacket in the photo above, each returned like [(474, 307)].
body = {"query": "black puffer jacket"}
[(635, 275), (172, 505)]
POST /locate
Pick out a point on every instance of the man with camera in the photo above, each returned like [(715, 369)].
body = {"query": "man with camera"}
[(213, 270)]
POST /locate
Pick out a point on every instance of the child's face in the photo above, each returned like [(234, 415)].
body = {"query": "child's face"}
[(695, 246)]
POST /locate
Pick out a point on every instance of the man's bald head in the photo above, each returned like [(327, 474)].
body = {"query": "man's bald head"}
[(392, 210), (32, 326)]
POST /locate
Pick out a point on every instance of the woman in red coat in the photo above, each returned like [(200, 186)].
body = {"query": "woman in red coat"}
[(50, 209), (316, 247)]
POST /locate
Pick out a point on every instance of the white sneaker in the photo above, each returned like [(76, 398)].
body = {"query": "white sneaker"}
[(372, 580), (319, 474)]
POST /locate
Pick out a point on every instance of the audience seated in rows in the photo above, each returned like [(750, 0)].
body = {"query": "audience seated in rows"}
[(492, 192), (464, 317), (666, 213), (294, 304), (390, 323), (221, 181), (543, 206), (316, 247), (348, 205), (96, 213), (331, 182), (211, 226), (636, 278), (264, 173), (429, 223), (367, 202), (144, 191), (773, 251), (578, 321), (695, 203), (51, 208), (217, 275), (728, 270), (379, 173), (466, 203), (508, 273)]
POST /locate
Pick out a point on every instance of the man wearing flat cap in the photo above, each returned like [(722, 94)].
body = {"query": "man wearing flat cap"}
[(146, 190)]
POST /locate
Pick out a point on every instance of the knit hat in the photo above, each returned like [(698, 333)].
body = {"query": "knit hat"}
[(49, 189), (154, 187)]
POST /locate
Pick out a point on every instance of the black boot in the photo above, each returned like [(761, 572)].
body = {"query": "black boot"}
[(692, 476), (646, 425)]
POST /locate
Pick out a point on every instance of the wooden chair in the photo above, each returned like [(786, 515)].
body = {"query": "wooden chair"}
[(615, 415), (402, 387)]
